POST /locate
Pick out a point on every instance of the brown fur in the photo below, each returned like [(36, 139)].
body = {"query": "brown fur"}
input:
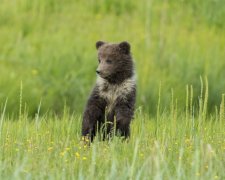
[(114, 93)]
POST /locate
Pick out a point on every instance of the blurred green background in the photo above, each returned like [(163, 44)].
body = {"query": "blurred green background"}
[(49, 46)]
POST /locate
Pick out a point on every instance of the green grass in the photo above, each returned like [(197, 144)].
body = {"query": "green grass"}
[(47, 69), (172, 145), (50, 47), (178, 146)]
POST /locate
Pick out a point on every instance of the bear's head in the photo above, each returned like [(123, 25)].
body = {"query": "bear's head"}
[(115, 61)]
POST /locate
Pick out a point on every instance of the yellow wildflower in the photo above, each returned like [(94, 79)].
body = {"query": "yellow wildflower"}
[(62, 153), (50, 148), (67, 149), (77, 154)]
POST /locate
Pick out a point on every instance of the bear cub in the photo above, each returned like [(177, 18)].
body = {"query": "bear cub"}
[(113, 98)]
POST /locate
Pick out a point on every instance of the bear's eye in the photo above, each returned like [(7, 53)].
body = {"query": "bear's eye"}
[(99, 60), (109, 61)]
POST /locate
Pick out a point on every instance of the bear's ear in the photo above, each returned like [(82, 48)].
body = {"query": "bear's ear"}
[(99, 43), (125, 47)]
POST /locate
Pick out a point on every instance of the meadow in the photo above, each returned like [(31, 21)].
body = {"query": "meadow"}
[(47, 69)]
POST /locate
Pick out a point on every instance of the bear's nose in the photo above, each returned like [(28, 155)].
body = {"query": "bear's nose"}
[(98, 72)]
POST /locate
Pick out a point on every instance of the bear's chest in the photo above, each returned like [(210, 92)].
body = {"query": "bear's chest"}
[(112, 93)]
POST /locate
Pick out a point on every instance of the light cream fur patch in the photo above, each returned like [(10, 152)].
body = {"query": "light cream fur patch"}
[(110, 92)]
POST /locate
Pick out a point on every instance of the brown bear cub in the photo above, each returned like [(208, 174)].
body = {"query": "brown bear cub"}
[(113, 96)]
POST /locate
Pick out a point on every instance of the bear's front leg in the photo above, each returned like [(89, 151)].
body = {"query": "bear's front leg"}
[(123, 115), (94, 113)]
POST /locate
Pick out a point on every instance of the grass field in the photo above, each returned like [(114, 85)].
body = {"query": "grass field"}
[(50, 47), (47, 69), (171, 146)]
